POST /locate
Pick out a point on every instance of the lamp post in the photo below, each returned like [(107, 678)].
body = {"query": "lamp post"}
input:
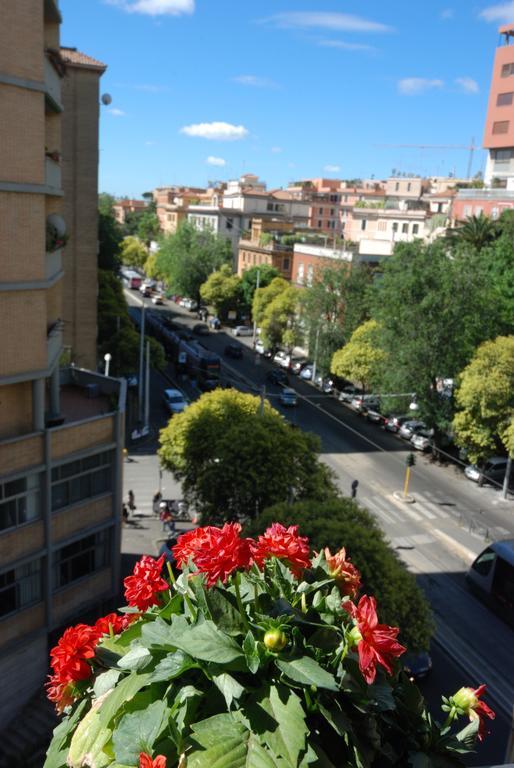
[(107, 359), (257, 285)]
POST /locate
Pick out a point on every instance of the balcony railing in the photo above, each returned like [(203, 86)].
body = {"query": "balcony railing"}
[(52, 86), (54, 340), (53, 263), (53, 174)]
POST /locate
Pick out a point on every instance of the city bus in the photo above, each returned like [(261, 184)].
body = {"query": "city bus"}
[(131, 279), (200, 364), (491, 577)]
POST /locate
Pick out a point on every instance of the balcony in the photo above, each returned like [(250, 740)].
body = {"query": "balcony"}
[(52, 12), (52, 87), (53, 175), (54, 340), (53, 264)]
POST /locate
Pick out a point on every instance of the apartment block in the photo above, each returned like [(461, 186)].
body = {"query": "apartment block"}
[(125, 206), (60, 429), (262, 245)]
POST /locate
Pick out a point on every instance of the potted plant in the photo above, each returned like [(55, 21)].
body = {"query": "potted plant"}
[(53, 154), (258, 655), (54, 239)]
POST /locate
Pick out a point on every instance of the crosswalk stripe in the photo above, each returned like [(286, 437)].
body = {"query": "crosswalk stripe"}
[(372, 505), (433, 506)]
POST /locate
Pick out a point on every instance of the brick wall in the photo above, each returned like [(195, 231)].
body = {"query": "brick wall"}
[(23, 332), (75, 598), (22, 541), (20, 454), (22, 135), (16, 410), (22, 237), (21, 624), (71, 439), (26, 26), (69, 521)]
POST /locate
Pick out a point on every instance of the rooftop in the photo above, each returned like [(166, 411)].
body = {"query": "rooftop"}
[(78, 59)]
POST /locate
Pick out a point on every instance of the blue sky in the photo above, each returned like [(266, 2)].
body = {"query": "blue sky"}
[(287, 89)]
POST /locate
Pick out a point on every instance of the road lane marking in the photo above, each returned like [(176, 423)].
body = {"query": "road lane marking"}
[(373, 507)]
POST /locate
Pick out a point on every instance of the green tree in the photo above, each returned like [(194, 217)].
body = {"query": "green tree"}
[(105, 203), (150, 267), (222, 290), (188, 257), (133, 252), (485, 422), (109, 242), (280, 322), (266, 274), (477, 231), (264, 296), (433, 311), (337, 523), (362, 359), (498, 260), (149, 227), (234, 457)]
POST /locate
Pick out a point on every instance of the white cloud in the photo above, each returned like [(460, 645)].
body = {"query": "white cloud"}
[(414, 85), (255, 82), (216, 131), (503, 12), (276, 150), (115, 112), (344, 46), (447, 13), (219, 161), (467, 84), (325, 20), (332, 168), (155, 7)]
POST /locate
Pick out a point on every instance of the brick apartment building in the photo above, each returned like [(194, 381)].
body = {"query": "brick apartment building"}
[(125, 206), (60, 430)]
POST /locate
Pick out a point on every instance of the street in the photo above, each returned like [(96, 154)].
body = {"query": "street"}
[(437, 536)]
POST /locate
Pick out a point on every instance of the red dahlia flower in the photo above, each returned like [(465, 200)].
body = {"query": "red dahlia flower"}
[(467, 701), (143, 587), (284, 543), (215, 552), (118, 622), (345, 574), (69, 660), (145, 761), (376, 643)]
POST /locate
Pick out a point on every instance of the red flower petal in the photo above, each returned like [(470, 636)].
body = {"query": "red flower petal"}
[(378, 644), (143, 587), (285, 544)]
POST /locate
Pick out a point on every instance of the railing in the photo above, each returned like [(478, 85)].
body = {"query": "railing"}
[(485, 194), (54, 341), (52, 174), (53, 85)]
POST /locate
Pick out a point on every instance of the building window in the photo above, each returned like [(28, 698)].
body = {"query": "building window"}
[(82, 557), (395, 226), (495, 213), (301, 273), (502, 156), (169, 216), (332, 211), (320, 211), (20, 501), (320, 224), (230, 223), (345, 198), (20, 587), (382, 226), (269, 207), (409, 185), (507, 70), (81, 479), (468, 210), (285, 265), (478, 210), (405, 228), (310, 275), (397, 186), (364, 224), (333, 198), (501, 126), (415, 229), (504, 99)]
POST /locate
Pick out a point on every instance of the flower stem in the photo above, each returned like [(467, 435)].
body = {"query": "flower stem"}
[(240, 605)]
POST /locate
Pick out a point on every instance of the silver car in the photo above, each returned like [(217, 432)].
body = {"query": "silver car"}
[(409, 428)]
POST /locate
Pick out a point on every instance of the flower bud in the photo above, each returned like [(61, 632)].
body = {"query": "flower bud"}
[(275, 640), (465, 700), (354, 637)]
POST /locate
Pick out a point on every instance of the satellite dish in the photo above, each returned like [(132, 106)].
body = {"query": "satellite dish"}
[(106, 99), (57, 222)]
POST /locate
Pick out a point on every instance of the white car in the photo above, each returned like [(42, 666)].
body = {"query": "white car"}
[(306, 373), (157, 298), (174, 401), (242, 330), (422, 440), (282, 359), (409, 428)]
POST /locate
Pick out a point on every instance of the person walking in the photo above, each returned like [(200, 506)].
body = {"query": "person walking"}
[(355, 485), (166, 518), (131, 501)]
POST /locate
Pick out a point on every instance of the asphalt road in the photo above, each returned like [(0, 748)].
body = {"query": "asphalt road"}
[(437, 536)]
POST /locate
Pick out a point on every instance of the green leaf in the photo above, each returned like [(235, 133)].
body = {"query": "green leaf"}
[(55, 753), (224, 611), (205, 641), (209, 731), (172, 666), (228, 744), (468, 735), (105, 682), (137, 658), (89, 740), (278, 718), (159, 634), (137, 732), (336, 719), (229, 687), (123, 692), (251, 652), (383, 696), (308, 672)]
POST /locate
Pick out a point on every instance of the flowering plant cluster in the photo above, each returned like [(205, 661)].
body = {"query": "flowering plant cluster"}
[(54, 240), (257, 655)]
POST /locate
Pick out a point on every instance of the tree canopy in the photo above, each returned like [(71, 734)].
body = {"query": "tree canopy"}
[(133, 252), (188, 257), (109, 239), (485, 397), (477, 231), (362, 359), (222, 290), (337, 523), (266, 274), (276, 311), (234, 459)]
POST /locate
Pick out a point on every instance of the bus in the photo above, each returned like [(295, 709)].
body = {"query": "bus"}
[(200, 364), (491, 577), (131, 279)]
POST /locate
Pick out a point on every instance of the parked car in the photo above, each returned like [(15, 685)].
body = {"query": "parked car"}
[(288, 396), (362, 403), (298, 365), (394, 423), (242, 330), (157, 298), (261, 349), (174, 400), (306, 372), (277, 376), (373, 414), (326, 384), (347, 394), (491, 471), (189, 304), (200, 329), (233, 350), (409, 428), (146, 291), (282, 358), (422, 440)]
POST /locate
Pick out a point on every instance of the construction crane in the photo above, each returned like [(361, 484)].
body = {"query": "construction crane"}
[(471, 148)]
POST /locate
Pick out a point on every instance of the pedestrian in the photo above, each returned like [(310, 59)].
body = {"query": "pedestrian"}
[(355, 485), (124, 513), (131, 501), (166, 518), (155, 502)]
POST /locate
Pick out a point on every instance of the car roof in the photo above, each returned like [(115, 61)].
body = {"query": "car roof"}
[(173, 393), (288, 391), (505, 549)]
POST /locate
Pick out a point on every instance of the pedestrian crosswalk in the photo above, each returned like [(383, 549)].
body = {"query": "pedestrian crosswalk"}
[(427, 507)]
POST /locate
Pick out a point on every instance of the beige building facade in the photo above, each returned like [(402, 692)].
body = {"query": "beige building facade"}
[(61, 430)]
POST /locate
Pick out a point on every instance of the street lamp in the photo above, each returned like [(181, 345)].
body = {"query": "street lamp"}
[(107, 359)]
